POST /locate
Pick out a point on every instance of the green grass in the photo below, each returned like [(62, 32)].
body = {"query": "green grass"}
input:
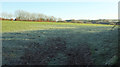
[(18, 36), (16, 26)]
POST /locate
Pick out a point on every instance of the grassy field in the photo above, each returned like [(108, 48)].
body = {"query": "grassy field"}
[(58, 43), (16, 26)]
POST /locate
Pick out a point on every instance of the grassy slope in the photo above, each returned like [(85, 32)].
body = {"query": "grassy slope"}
[(101, 41)]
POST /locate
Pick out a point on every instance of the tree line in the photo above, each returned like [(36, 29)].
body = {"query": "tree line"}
[(99, 21), (21, 15)]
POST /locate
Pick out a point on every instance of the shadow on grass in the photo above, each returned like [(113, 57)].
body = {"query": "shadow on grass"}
[(59, 47)]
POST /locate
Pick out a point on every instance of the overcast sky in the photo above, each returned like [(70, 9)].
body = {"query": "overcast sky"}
[(79, 9)]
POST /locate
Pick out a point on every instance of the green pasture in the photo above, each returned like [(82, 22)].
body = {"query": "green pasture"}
[(94, 43), (16, 26)]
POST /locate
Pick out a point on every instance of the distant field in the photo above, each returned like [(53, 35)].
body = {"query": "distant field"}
[(16, 26), (55, 43)]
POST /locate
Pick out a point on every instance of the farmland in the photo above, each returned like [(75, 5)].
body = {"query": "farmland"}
[(52, 43)]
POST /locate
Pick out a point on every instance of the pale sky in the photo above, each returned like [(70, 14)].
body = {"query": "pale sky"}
[(59, 0), (72, 9)]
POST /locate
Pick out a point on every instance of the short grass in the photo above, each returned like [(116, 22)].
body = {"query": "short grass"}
[(87, 42), (16, 26)]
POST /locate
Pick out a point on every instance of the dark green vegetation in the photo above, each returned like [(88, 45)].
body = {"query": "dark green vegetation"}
[(58, 43), (99, 21)]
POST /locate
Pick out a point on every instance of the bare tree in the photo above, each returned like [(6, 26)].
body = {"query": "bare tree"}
[(50, 18), (6, 15), (23, 15), (59, 19), (54, 19), (19, 14)]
